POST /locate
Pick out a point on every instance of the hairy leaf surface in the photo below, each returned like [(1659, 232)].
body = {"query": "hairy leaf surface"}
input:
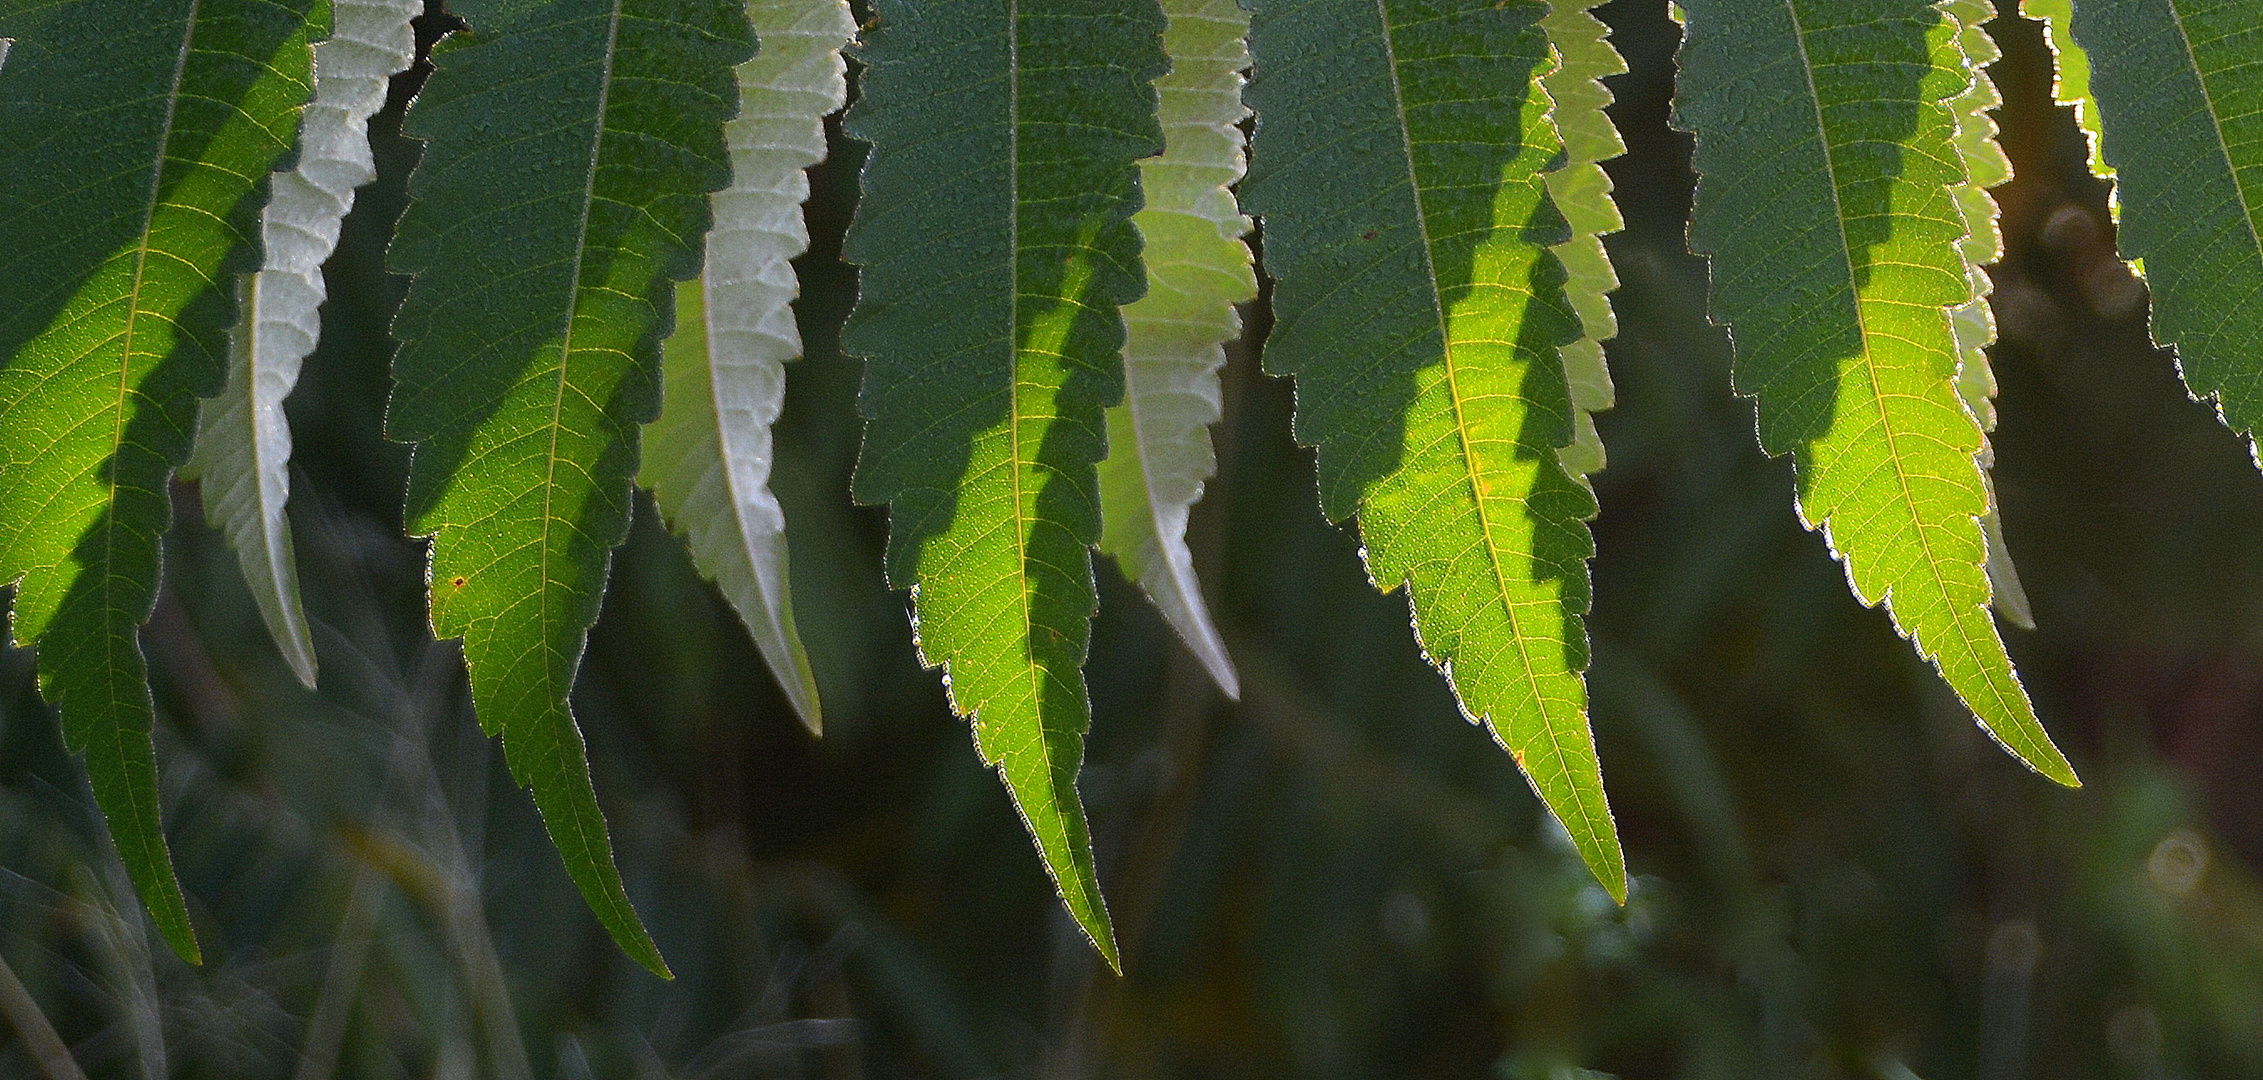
[(2179, 94), (998, 250), (1829, 180), (571, 147), (1159, 450), (1420, 306), (243, 441), (134, 142), (707, 459), (1582, 192)]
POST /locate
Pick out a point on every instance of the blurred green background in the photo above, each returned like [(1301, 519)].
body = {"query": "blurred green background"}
[(1837, 875)]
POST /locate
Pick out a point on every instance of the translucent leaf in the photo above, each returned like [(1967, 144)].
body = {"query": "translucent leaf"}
[(1582, 191), (243, 442), (2178, 88), (707, 459), (1398, 170), (1974, 321), (571, 148), (1159, 451), (996, 239), (1829, 197), (134, 144)]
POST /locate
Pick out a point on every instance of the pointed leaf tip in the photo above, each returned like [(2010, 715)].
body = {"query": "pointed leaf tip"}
[(135, 140), (1420, 295), (530, 346), (993, 348), (1198, 268), (242, 454), (708, 458), (1858, 380)]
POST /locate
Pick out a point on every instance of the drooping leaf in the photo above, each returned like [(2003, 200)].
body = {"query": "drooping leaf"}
[(997, 246), (243, 442), (570, 149), (2178, 88), (1827, 198), (135, 140), (707, 459), (1159, 451), (1582, 192), (1419, 303), (1974, 321)]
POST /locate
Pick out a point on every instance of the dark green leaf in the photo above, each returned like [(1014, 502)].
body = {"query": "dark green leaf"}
[(135, 140), (572, 146), (996, 239)]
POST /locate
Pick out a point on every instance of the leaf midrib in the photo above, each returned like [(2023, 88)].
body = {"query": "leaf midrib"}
[(117, 732), (2216, 128), (1870, 366), (565, 364), (1453, 394)]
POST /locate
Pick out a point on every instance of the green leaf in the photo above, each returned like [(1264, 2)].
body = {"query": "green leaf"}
[(1159, 451), (243, 441), (2179, 94), (2070, 78), (1420, 306), (1974, 322), (1582, 191), (995, 234), (571, 148), (134, 142), (1827, 197), (708, 457)]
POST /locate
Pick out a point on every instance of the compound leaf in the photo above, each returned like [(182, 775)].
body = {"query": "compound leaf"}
[(1828, 199), (243, 441), (134, 142), (707, 459), (571, 147), (2179, 96), (996, 239), (1398, 170), (1159, 450)]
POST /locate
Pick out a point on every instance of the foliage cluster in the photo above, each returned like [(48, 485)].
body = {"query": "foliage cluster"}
[(1051, 238)]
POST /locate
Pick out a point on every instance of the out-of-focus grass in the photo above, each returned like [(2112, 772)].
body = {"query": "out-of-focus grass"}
[(1836, 875)]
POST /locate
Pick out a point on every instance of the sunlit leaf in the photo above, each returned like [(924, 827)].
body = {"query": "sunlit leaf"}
[(1829, 200), (1159, 451), (707, 459), (243, 442), (1582, 191), (1398, 171), (530, 344), (995, 235), (135, 141)]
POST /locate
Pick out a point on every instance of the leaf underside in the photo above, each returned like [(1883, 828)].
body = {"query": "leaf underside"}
[(135, 140), (1419, 304), (1159, 451), (994, 231), (571, 146), (242, 453), (1582, 191), (2179, 94), (1829, 179), (1974, 322), (708, 458)]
